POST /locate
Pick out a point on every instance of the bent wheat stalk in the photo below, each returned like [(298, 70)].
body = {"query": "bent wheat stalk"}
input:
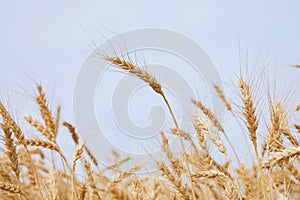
[(156, 86)]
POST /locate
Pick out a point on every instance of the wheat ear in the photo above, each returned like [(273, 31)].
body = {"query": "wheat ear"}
[(248, 112), (45, 111), (281, 156), (12, 124), (222, 97), (11, 150), (251, 122), (10, 188), (41, 128), (215, 122)]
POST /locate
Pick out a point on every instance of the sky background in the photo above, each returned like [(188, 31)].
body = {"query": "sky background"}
[(48, 41)]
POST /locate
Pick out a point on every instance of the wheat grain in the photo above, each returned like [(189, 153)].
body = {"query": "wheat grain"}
[(57, 121), (296, 65), (83, 192), (297, 107), (297, 127), (10, 188)]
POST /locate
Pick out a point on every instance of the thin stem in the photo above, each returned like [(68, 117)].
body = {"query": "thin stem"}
[(181, 143)]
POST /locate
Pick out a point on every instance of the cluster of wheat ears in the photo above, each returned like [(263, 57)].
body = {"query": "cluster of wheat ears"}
[(274, 174)]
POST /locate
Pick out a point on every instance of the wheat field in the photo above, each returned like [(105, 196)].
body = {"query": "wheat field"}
[(274, 174)]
